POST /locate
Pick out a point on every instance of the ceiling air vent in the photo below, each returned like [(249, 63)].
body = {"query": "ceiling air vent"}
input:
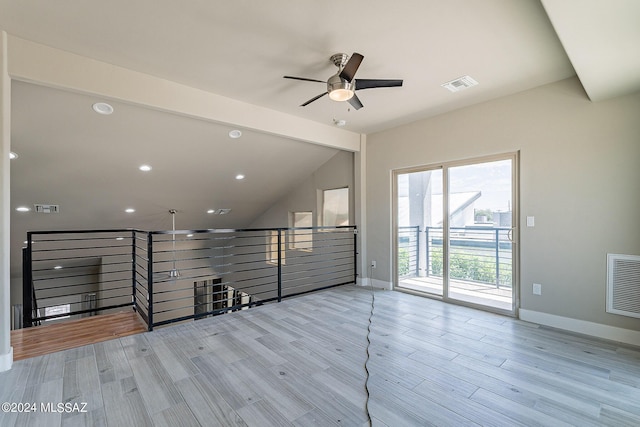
[(459, 84), (47, 209)]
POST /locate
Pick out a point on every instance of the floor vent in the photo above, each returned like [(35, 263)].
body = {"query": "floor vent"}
[(40, 208), (623, 285)]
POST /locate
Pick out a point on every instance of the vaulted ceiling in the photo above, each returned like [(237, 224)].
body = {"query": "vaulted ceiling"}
[(241, 50)]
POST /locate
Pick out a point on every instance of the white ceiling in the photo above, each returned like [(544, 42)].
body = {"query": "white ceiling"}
[(241, 49)]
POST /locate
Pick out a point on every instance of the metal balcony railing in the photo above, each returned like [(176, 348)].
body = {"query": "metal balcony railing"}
[(476, 254)]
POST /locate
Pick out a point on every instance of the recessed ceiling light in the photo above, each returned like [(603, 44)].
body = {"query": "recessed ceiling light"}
[(12, 155), (210, 211), (22, 209), (57, 267), (119, 238), (129, 210), (189, 235), (239, 176), (339, 122), (235, 134), (102, 108), (145, 168)]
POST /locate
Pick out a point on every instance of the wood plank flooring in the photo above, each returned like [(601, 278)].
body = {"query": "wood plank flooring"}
[(301, 363), (45, 339)]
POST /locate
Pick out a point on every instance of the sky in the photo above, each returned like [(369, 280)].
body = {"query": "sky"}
[(493, 179)]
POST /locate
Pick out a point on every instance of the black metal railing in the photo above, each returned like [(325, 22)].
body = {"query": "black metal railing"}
[(75, 274), (169, 276), (476, 254)]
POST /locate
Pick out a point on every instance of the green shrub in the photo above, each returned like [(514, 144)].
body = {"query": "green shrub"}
[(403, 262), (471, 267)]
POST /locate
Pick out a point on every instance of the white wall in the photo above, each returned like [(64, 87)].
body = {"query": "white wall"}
[(579, 177), (6, 351), (337, 172)]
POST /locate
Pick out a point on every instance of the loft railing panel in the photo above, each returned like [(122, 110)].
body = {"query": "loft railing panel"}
[(77, 273), (171, 276), (317, 258)]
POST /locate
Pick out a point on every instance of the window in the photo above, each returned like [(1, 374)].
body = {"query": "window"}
[(301, 239), (272, 248), (57, 309), (335, 207)]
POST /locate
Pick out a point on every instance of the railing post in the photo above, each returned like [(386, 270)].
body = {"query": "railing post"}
[(279, 264), (426, 235), (497, 258), (417, 251), (150, 280), (355, 255), (27, 284), (133, 270)]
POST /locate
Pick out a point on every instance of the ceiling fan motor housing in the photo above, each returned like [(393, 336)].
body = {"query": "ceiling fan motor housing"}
[(339, 60)]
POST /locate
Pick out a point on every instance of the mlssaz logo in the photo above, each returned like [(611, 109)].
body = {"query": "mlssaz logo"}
[(62, 408)]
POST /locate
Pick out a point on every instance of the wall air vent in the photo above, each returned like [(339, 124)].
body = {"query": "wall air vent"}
[(623, 285), (47, 209), (459, 84)]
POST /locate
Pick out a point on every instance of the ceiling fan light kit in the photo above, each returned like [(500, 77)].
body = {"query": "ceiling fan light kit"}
[(342, 86), (340, 90)]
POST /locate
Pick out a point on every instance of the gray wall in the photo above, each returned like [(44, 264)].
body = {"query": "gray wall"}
[(579, 177), (337, 172)]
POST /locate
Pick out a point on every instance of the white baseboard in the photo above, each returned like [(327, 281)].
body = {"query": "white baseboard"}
[(6, 360), (381, 284), (362, 281), (597, 330), (378, 284)]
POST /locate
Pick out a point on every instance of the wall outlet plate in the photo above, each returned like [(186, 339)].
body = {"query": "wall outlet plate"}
[(374, 264), (537, 289)]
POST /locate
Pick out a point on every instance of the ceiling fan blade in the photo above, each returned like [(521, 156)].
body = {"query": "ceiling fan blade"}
[(314, 98), (350, 68), (303, 79), (373, 83), (355, 102)]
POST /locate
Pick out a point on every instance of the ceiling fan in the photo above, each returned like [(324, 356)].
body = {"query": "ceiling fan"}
[(342, 85)]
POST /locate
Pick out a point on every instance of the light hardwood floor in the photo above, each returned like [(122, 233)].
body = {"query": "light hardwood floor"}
[(45, 339), (301, 362)]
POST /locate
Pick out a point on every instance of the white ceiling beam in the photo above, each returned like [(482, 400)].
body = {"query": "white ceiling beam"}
[(36, 63), (601, 40)]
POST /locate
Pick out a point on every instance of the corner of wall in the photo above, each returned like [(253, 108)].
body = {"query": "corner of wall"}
[(6, 360)]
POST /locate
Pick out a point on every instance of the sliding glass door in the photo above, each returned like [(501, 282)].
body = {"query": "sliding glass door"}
[(419, 230), (455, 234)]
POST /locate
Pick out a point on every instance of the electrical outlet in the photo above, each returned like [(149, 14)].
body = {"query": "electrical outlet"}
[(537, 289), (374, 264)]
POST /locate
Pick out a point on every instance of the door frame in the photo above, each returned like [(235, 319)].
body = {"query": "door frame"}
[(514, 156)]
